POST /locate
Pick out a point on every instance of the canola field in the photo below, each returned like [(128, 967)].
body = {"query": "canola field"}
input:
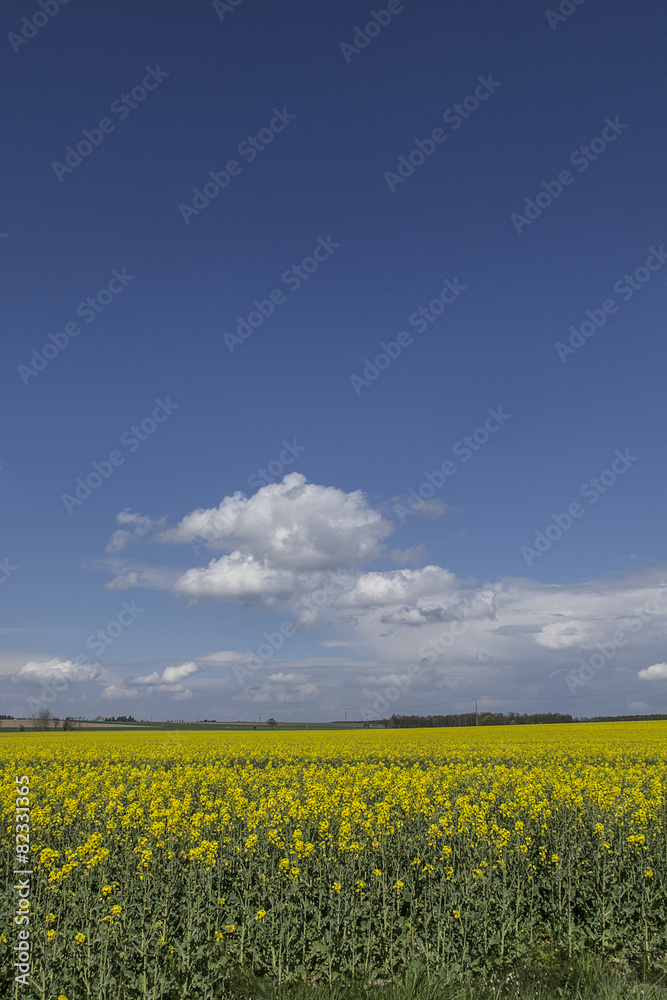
[(161, 860)]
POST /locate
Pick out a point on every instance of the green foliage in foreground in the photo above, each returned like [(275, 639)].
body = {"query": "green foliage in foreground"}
[(548, 977)]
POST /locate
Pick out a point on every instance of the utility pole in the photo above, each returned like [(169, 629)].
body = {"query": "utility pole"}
[(346, 715), (476, 716), (260, 716)]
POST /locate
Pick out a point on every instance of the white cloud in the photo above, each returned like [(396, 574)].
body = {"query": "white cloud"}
[(237, 577), (461, 606), (183, 695), (306, 548), (115, 691), (170, 675), (226, 657), (285, 542), (564, 635), (293, 525), (48, 671), (399, 586), (338, 642), (275, 691), (657, 672), (639, 706)]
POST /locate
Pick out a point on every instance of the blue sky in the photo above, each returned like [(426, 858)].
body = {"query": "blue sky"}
[(409, 260)]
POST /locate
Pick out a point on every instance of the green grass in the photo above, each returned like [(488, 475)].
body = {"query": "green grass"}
[(194, 726), (548, 978)]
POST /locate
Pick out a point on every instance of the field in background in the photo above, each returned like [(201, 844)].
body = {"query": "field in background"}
[(164, 859)]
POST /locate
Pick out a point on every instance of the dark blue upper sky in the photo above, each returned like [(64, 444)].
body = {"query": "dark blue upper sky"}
[(505, 159)]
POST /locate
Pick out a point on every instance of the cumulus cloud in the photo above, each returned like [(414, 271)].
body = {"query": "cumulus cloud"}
[(237, 577), (462, 607), (657, 672), (293, 525), (508, 640), (400, 586), (285, 541), (170, 675), (305, 547), (48, 671)]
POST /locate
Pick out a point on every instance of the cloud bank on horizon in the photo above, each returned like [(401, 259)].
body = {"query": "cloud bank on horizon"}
[(304, 551)]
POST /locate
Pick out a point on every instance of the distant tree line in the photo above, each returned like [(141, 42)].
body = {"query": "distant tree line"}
[(470, 719), (499, 719), (120, 718), (624, 718)]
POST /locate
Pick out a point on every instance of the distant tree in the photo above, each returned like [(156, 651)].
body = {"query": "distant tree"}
[(21, 728), (56, 720), (42, 719), (271, 722)]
